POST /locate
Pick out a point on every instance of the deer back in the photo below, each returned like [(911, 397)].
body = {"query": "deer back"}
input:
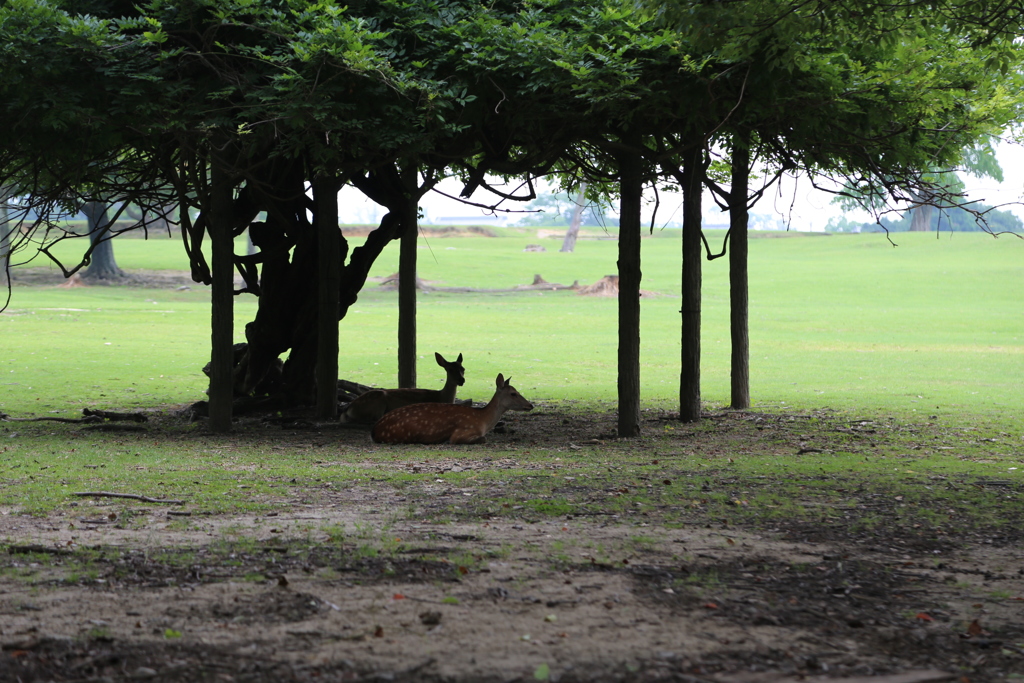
[(426, 423)]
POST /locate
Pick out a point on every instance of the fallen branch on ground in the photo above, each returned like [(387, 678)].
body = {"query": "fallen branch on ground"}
[(91, 417), (133, 496), (34, 548), (110, 415), (73, 420)]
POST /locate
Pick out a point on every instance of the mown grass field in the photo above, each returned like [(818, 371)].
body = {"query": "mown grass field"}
[(926, 333), (934, 325)]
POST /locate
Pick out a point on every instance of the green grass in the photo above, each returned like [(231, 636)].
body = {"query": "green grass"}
[(848, 321), (925, 340), (158, 252)]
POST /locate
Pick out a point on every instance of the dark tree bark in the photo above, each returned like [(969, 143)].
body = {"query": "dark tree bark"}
[(102, 265), (407, 280), (569, 243), (220, 226), (329, 267), (689, 375), (630, 191), (287, 313), (738, 291), (291, 314)]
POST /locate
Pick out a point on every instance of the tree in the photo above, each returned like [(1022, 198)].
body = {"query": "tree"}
[(978, 217), (872, 94), (979, 160), (102, 265), (739, 301), (240, 109), (569, 242), (265, 125), (6, 227)]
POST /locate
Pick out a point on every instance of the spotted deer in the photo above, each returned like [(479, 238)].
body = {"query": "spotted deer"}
[(374, 404), (436, 423)]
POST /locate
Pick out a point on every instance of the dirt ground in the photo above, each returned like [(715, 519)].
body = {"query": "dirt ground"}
[(585, 596), (150, 279)]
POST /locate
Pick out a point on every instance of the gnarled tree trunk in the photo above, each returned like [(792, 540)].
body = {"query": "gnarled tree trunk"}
[(325, 195)]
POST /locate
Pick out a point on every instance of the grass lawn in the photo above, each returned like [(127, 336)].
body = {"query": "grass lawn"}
[(846, 321), (926, 333)]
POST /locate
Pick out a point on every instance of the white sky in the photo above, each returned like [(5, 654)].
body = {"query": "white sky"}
[(793, 201)]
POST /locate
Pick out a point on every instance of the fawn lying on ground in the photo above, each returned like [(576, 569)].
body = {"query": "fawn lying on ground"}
[(439, 423), (374, 404)]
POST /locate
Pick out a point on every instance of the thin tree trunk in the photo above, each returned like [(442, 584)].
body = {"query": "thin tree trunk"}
[(569, 243), (5, 238), (407, 281), (329, 271), (630, 190), (689, 375), (222, 300), (738, 299)]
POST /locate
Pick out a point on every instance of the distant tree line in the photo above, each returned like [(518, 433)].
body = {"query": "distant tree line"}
[(980, 218)]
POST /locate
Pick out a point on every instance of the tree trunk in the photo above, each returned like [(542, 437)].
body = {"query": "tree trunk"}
[(288, 311), (289, 318), (921, 216), (329, 271), (222, 354), (689, 375), (102, 265), (5, 238), (569, 243), (738, 299), (630, 190), (407, 280)]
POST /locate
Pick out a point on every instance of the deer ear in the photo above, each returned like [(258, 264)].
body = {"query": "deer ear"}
[(500, 381), (508, 381), (460, 359), (439, 358)]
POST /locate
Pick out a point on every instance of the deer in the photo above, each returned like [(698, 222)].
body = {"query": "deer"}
[(370, 407), (430, 423)]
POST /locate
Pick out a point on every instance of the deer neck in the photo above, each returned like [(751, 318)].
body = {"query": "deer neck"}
[(451, 386), (493, 411)]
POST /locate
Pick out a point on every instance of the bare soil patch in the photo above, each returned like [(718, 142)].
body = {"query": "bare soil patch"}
[(431, 583), (150, 279), (175, 279)]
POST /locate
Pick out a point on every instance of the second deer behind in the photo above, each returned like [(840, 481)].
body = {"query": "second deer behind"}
[(374, 404)]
